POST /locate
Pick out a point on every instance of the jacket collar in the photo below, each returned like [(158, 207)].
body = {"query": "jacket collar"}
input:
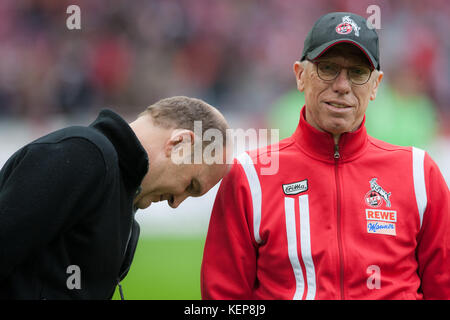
[(133, 159), (320, 145)]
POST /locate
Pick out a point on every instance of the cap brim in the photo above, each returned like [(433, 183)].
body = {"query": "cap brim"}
[(316, 53)]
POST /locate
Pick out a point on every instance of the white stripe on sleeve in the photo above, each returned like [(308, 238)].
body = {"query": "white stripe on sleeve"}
[(255, 190), (418, 157)]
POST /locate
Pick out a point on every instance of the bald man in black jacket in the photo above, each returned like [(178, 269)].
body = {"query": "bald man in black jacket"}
[(68, 199)]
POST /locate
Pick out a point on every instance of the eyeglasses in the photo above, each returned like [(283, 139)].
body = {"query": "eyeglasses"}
[(328, 71)]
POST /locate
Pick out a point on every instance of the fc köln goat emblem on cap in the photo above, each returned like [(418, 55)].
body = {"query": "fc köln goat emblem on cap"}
[(347, 26), (375, 197)]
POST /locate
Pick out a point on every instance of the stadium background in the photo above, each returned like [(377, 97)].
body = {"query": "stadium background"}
[(237, 55)]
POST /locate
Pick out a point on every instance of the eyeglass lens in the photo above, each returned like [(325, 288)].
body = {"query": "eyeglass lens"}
[(329, 71)]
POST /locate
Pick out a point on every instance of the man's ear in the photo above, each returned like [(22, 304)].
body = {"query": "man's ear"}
[(180, 140), (299, 72), (373, 93)]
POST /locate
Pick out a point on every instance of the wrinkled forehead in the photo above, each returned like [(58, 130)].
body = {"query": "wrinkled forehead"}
[(345, 51)]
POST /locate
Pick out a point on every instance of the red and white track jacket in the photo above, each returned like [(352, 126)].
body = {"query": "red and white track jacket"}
[(364, 220)]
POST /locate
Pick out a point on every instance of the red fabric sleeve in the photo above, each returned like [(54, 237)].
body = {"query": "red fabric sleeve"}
[(229, 259), (433, 251)]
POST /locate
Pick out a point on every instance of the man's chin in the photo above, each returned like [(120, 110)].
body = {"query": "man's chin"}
[(339, 126)]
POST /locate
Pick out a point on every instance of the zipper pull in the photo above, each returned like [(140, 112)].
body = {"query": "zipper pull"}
[(120, 291), (336, 152)]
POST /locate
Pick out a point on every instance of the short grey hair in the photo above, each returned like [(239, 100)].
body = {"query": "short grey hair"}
[(180, 112)]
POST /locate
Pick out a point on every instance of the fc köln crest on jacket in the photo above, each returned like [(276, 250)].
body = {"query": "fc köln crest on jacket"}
[(374, 198), (379, 221)]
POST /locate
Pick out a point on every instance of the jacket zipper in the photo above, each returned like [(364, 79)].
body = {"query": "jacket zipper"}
[(125, 252), (337, 156), (126, 247)]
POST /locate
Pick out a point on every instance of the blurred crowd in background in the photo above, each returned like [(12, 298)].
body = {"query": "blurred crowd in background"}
[(237, 55)]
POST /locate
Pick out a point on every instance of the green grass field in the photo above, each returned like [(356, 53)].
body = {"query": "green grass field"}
[(164, 269)]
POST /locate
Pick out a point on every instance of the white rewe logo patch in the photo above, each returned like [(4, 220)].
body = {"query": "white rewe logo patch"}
[(295, 187), (381, 221)]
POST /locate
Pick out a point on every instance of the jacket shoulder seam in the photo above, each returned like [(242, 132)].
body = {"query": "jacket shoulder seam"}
[(259, 154), (391, 148)]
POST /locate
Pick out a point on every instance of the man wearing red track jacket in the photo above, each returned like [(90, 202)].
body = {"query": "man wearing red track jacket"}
[(346, 216)]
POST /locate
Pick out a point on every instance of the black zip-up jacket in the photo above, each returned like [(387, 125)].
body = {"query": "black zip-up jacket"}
[(67, 228)]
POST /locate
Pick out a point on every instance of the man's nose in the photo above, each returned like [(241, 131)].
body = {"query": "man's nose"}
[(342, 84), (177, 200)]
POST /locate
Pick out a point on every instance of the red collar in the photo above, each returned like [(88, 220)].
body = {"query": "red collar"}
[(320, 145)]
